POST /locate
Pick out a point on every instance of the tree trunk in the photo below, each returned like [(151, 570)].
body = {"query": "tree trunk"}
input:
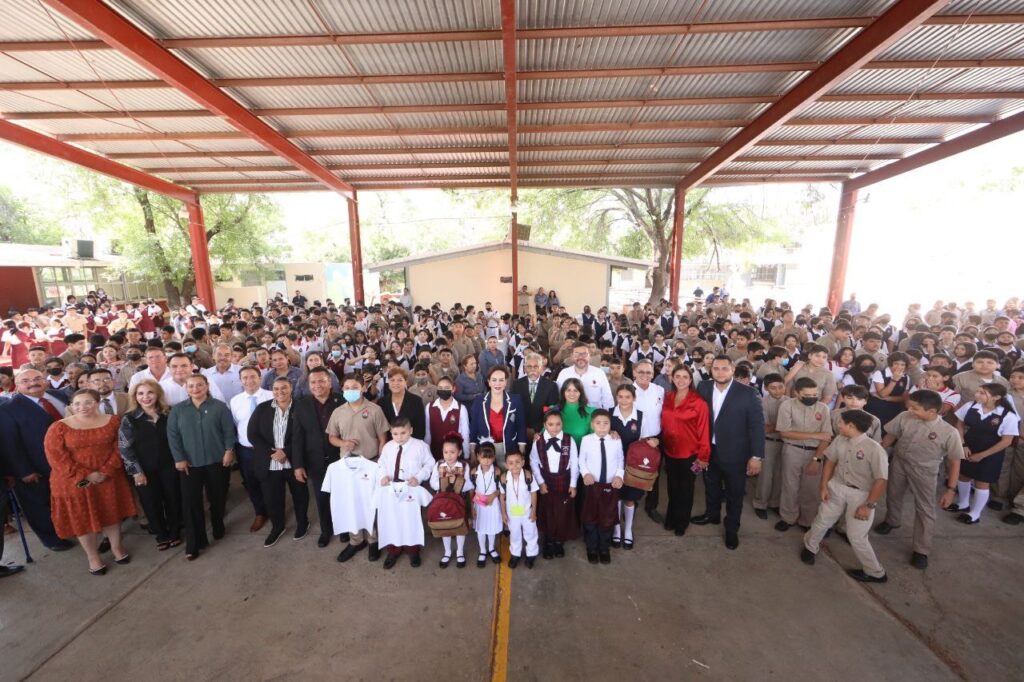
[(149, 223), (659, 275)]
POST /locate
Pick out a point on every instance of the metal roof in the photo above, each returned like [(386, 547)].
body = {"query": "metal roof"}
[(391, 94)]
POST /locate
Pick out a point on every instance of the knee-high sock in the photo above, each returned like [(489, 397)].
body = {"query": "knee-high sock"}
[(963, 494), (617, 532), (980, 498), (628, 521), (481, 539), (460, 546), (447, 546)]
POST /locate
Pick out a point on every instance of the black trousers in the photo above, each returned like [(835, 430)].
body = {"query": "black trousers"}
[(598, 540), (161, 500), (322, 500), (249, 481), (5, 499), (273, 494), (679, 485), (34, 499), (652, 498), (208, 479), (728, 479)]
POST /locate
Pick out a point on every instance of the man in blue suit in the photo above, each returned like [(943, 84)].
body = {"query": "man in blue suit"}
[(24, 420), (737, 446)]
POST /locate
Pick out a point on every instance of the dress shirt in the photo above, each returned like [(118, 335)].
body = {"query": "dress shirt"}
[(717, 399), (242, 407), (176, 393), (590, 457), (595, 385), (280, 431), (650, 401), (463, 423), (228, 382), (417, 461), (554, 455)]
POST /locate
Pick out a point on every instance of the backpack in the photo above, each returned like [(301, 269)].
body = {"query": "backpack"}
[(446, 513), (642, 465)]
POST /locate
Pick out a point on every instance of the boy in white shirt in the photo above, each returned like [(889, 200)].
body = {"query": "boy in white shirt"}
[(519, 509), (404, 463), (602, 466)]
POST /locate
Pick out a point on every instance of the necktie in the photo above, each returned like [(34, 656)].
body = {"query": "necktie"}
[(107, 409), (604, 463), (398, 465), (533, 390), (252, 404), (50, 409)]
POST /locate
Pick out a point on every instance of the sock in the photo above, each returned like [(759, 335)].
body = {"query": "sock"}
[(980, 498), (628, 521), (963, 494), (460, 546), (481, 539), (492, 542), (617, 532), (447, 547)]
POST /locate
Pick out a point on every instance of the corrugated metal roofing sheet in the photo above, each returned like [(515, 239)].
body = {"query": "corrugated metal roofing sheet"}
[(196, 18), (483, 56), (89, 65), (34, 21), (759, 47), (307, 96), (270, 62), (591, 53), (387, 16), (744, 10), (464, 92), (956, 42)]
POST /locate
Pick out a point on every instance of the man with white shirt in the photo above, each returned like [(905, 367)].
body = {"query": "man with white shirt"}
[(242, 406), (180, 368), (594, 380), (156, 368), (650, 397), (224, 373)]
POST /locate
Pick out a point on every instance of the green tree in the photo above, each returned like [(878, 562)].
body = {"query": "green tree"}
[(22, 224)]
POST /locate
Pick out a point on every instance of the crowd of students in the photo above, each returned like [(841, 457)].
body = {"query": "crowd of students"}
[(537, 424)]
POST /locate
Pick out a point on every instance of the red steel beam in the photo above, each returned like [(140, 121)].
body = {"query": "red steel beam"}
[(45, 144), (201, 256), (895, 23), (513, 234), (524, 34), (116, 31), (676, 257), (975, 138), (841, 250), (508, 48), (356, 246)]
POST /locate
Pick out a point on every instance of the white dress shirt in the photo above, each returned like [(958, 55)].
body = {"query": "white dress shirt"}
[(590, 457), (595, 385), (242, 408), (554, 455), (650, 401), (175, 393), (717, 399), (228, 382), (417, 461)]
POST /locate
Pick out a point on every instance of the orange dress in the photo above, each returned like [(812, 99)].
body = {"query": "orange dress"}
[(74, 454)]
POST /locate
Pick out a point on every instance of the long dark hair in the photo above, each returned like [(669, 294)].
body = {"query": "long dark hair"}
[(857, 375), (582, 404)]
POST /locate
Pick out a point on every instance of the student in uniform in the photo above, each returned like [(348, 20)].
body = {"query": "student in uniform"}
[(486, 508), (519, 509), (629, 423), (555, 467), (855, 397), (405, 463), (922, 439), (856, 469), (450, 474), (1011, 478), (937, 379), (768, 487), (889, 389), (987, 425), (806, 429), (602, 467), (350, 482), (815, 368)]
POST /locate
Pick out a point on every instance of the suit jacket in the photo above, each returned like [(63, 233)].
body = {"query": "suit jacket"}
[(546, 396), (23, 426), (121, 403), (412, 408), (261, 435), (515, 422), (311, 448), (738, 431)]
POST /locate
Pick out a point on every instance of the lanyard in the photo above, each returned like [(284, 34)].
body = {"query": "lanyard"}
[(515, 487)]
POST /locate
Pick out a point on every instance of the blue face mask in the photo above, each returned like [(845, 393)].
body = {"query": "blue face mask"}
[(352, 395), (336, 353)]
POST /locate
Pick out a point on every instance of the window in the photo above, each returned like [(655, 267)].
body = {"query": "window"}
[(766, 273), (303, 278), (251, 278)]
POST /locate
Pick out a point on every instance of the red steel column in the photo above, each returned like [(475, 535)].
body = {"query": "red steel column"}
[(200, 255), (357, 250), (841, 250), (675, 265), (514, 234)]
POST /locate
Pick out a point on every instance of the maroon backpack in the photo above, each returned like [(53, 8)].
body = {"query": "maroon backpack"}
[(446, 515), (642, 464)]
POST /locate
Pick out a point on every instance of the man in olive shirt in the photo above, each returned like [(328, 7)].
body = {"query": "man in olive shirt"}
[(202, 437), (358, 427), (856, 469), (922, 439)]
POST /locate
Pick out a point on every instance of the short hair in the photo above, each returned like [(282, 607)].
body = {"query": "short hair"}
[(860, 419), (986, 355), (805, 382), (99, 370), (722, 356), (74, 338), (180, 355), (398, 371), (278, 380), (354, 376), (498, 368), (927, 399), (250, 368), (600, 412), (854, 391), (401, 423), (773, 378), (813, 348), (421, 367), (871, 336), (201, 377)]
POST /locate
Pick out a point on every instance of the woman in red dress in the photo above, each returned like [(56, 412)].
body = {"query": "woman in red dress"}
[(686, 434), (89, 492)]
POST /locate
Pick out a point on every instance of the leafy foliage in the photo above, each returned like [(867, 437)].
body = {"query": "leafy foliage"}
[(21, 223)]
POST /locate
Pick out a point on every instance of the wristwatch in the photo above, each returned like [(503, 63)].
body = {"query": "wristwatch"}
[(952, 490), (870, 505), (815, 459)]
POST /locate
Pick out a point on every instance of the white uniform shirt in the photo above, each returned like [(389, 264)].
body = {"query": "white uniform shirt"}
[(650, 401), (590, 457), (441, 469), (554, 456), (176, 393), (463, 423), (417, 461), (517, 492), (351, 482), (241, 409), (1009, 426), (595, 385)]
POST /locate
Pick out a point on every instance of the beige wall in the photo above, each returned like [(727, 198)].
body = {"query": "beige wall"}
[(475, 278), (244, 296), (315, 290)]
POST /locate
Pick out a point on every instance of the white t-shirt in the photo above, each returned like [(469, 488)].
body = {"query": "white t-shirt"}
[(350, 481)]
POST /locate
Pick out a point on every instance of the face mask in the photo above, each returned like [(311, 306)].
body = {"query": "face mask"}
[(54, 371), (606, 370), (867, 369), (809, 401), (421, 381), (444, 393), (335, 353), (90, 365), (352, 395), (190, 349), (134, 358)]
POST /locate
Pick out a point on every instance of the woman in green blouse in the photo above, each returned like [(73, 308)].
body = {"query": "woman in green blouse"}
[(575, 411)]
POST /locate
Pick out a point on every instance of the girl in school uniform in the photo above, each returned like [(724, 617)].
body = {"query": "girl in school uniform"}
[(889, 389), (554, 463), (451, 474), (486, 509), (937, 379), (628, 423), (988, 426)]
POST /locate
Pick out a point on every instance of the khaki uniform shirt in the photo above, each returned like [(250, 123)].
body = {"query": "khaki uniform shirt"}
[(795, 416), (365, 425), (462, 347), (966, 383), (823, 377), (859, 461), (779, 334), (922, 443), (770, 406)]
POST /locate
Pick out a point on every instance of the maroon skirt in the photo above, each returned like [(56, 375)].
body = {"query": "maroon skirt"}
[(556, 517), (601, 505)]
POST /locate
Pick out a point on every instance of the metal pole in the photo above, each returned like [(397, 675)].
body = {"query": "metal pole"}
[(841, 250), (201, 255), (514, 233), (355, 241)]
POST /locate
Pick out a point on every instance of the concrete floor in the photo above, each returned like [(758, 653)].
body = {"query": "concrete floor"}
[(673, 609)]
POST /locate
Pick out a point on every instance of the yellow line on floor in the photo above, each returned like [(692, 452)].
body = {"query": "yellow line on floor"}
[(500, 616)]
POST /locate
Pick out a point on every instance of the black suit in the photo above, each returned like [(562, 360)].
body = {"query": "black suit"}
[(312, 451), (261, 435), (737, 434), (23, 426), (546, 395)]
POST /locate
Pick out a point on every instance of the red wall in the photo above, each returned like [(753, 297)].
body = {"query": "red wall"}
[(17, 289)]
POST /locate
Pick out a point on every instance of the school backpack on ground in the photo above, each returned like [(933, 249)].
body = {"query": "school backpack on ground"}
[(642, 464), (446, 515)]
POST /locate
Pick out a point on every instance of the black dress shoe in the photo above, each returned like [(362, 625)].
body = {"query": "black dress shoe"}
[(859, 575), (994, 505), (218, 531), (616, 543), (104, 546), (102, 570), (445, 560), (592, 557), (351, 551), (605, 558), (530, 560), (956, 508), (323, 541), (374, 552), (1013, 518), (390, 560), (966, 518), (919, 561), (704, 520), (655, 515), (63, 546), (344, 537), (761, 513), (513, 561), (559, 550), (883, 528), (807, 556), (627, 544), (460, 562), (275, 535), (782, 526), (481, 561), (10, 570), (301, 531), (732, 540), (549, 552), (415, 561), (679, 532)]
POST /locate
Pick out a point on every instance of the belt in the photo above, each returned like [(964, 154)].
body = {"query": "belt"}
[(774, 440), (802, 447)]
